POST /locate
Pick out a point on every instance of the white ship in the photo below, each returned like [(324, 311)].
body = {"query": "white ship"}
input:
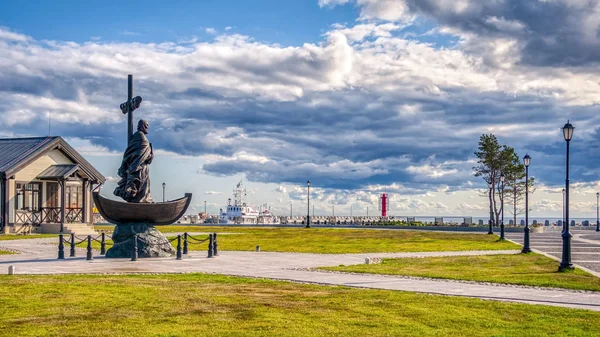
[(238, 212)]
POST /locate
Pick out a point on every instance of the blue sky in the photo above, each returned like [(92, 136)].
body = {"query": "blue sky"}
[(359, 96), (291, 22)]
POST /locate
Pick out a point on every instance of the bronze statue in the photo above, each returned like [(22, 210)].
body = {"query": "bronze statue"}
[(134, 185)]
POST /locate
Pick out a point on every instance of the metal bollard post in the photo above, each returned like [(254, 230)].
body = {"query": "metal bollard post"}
[(103, 245), (72, 254), (215, 245), (210, 245), (258, 248), (89, 249), (61, 247), (134, 253), (185, 243), (179, 247)]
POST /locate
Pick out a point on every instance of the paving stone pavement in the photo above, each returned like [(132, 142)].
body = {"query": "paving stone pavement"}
[(39, 257), (585, 246)]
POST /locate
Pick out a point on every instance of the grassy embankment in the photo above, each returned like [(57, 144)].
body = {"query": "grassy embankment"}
[(211, 305), (523, 269)]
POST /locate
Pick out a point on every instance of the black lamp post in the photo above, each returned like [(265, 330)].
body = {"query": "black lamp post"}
[(502, 201), (565, 263), (163, 186), (526, 249), (490, 231), (563, 215), (308, 205), (291, 210), (597, 212)]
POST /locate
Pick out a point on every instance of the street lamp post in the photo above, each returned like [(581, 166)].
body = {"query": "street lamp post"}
[(204, 207), (563, 215), (291, 210), (163, 186), (597, 212), (332, 210), (308, 204), (565, 263), (490, 231), (502, 205), (526, 249)]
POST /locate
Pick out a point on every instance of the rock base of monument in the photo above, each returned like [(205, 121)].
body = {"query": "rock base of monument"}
[(151, 242)]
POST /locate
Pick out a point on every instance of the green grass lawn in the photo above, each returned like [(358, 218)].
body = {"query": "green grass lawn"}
[(525, 269), (211, 305), (6, 252), (339, 241), (30, 236)]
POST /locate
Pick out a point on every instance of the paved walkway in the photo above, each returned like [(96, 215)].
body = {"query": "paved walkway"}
[(39, 257), (585, 246)]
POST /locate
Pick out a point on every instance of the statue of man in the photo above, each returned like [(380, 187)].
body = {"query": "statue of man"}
[(134, 185)]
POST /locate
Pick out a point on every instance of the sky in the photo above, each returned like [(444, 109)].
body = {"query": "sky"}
[(358, 96)]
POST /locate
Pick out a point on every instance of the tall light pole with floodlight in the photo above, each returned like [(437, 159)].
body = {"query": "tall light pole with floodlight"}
[(565, 263), (502, 205), (308, 204), (526, 249), (490, 231)]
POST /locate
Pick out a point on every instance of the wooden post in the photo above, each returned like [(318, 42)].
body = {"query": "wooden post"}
[(4, 207), (63, 202), (84, 208)]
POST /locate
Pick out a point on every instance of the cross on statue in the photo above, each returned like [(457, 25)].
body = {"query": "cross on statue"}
[(129, 106)]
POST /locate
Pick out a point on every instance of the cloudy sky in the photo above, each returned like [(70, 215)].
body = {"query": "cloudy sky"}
[(359, 96)]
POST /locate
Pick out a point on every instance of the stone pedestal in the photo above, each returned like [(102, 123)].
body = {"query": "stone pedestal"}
[(151, 242)]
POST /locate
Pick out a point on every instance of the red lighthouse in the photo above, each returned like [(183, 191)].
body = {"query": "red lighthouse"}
[(384, 203)]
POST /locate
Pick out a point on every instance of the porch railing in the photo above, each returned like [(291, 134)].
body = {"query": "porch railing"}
[(74, 215), (48, 215), (28, 217)]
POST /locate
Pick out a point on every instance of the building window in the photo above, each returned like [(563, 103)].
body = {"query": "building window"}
[(29, 196), (74, 196)]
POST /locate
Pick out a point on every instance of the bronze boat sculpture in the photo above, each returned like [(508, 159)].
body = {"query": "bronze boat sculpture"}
[(134, 234), (157, 213)]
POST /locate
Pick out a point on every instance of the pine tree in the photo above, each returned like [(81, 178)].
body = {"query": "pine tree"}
[(489, 165), (493, 160)]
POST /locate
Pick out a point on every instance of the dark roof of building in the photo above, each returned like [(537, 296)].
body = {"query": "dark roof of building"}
[(14, 150), (16, 153), (56, 172)]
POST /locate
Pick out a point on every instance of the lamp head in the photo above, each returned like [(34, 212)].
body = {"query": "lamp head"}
[(308, 183), (568, 131), (502, 177), (527, 160)]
